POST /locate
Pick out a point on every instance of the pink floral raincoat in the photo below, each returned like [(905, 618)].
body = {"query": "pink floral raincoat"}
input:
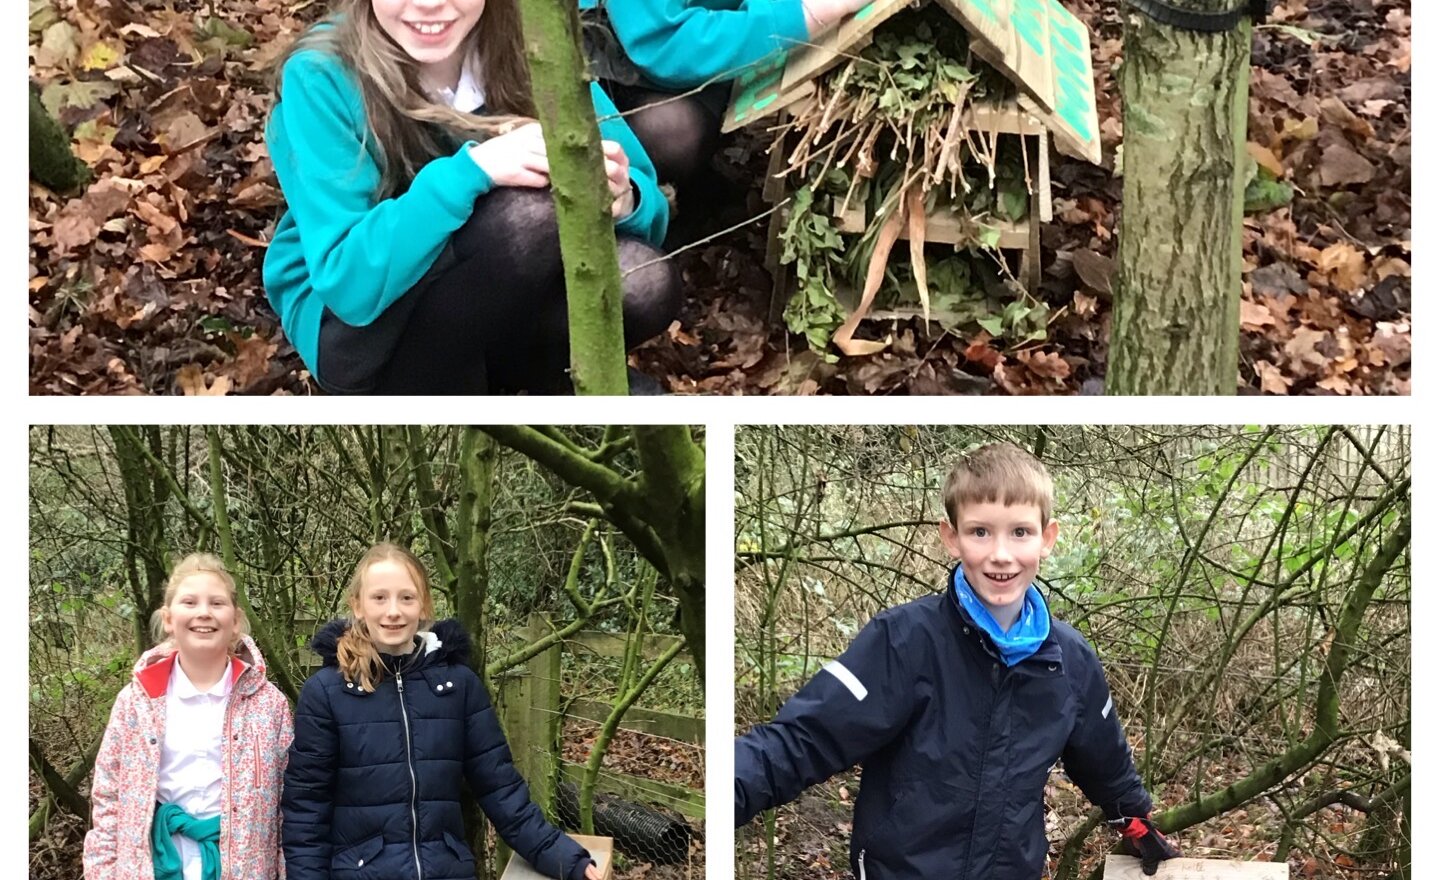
[(258, 730)]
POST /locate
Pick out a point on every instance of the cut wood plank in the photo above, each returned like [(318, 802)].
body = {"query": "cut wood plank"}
[(832, 47), (601, 851), (613, 644), (943, 228), (670, 725), (754, 91), (1128, 868)]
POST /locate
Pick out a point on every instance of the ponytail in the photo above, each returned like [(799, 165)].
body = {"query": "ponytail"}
[(356, 655)]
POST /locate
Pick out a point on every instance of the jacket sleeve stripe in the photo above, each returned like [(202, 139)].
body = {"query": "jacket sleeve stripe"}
[(847, 678), (1109, 704)]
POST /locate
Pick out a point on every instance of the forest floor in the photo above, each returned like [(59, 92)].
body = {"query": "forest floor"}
[(149, 282)]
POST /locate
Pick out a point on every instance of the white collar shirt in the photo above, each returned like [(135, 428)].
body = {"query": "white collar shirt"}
[(468, 95), (190, 757)]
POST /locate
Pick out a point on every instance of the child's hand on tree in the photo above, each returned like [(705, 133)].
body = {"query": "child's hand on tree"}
[(1141, 838), (516, 158), (617, 174)]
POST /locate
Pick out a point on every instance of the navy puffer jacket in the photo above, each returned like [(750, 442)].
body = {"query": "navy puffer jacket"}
[(956, 746), (372, 790)]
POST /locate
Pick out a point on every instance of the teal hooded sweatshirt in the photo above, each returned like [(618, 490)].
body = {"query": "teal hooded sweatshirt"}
[(337, 246), (684, 43)]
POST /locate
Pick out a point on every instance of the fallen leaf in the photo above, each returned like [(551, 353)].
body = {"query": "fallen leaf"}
[(1272, 380), (1340, 166), (1254, 316), (1094, 269), (191, 380), (1265, 159), (1344, 265)]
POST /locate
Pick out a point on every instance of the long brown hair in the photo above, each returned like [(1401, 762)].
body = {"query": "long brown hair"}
[(409, 128), (355, 651)]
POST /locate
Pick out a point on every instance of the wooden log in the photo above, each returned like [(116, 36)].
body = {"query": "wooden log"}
[(601, 849), (1128, 868)]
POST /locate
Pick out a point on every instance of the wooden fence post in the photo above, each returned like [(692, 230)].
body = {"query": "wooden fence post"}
[(529, 711)]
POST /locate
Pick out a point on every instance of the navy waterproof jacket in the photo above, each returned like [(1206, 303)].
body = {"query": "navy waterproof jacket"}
[(956, 746), (372, 790)]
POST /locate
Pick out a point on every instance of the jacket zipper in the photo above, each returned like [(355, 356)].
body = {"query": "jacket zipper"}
[(862, 864), (414, 786)]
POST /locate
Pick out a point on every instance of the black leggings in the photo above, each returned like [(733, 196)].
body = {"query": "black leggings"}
[(679, 134), (490, 315)]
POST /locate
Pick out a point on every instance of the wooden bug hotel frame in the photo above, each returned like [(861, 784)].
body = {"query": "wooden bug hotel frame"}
[(1037, 45)]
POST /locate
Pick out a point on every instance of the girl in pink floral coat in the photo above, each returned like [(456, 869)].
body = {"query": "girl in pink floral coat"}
[(187, 780)]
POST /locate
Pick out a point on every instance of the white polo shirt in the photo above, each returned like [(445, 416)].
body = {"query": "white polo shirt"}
[(190, 771)]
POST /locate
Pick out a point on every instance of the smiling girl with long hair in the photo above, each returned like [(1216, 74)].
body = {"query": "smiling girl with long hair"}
[(419, 252), (386, 732)]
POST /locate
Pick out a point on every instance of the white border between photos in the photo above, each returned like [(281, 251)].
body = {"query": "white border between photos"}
[(720, 415)]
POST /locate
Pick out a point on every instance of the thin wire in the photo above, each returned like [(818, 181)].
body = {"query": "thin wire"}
[(706, 239)]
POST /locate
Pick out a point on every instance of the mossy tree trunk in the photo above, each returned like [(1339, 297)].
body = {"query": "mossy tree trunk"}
[(51, 161), (582, 197), (1177, 299)]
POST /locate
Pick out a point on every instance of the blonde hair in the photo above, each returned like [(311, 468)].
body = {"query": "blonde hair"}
[(410, 129), (198, 563), (1000, 472), (355, 651)]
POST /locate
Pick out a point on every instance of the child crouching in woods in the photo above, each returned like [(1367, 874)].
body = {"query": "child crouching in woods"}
[(419, 253), (386, 732), (958, 704), (187, 780)]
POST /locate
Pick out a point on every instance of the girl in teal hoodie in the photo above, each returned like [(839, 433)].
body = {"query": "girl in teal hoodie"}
[(649, 52), (419, 251)]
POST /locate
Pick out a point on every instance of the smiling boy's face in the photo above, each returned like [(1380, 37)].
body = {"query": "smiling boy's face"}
[(1000, 547)]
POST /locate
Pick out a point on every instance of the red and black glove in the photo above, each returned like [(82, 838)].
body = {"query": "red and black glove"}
[(1141, 838)]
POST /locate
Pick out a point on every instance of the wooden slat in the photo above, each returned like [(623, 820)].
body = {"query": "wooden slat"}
[(754, 92), (613, 645), (853, 35), (685, 728), (943, 228), (1003, 118), (1128, 868), (685, 801), (1077, 126)]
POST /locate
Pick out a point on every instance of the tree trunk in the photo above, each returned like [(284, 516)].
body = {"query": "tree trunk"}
[(674, 484), (474, 515), (1177, 299), (51, 161), (145, 497), (582, 198)]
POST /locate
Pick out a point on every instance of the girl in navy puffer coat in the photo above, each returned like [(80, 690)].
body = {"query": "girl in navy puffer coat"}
[(385, 733)]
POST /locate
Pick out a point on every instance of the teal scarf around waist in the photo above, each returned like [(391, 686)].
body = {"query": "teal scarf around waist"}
[(1026, 635), (169, 820)]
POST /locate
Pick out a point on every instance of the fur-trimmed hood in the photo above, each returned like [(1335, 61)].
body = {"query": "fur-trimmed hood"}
[(445, 642)]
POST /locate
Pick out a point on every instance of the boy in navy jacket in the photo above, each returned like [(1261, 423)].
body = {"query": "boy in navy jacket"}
[(958, 704)]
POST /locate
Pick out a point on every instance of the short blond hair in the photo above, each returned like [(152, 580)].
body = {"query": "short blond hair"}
[(193, 564), (1000, 472)]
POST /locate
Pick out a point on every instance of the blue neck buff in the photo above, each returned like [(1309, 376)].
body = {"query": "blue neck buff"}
[(1026, 634)]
